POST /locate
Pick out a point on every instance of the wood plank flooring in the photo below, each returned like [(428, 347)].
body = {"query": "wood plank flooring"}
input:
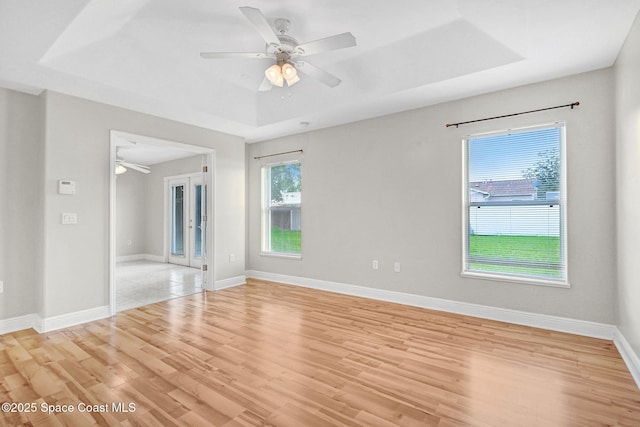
[(271, 354)]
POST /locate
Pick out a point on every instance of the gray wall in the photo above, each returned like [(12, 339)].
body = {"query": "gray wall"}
[(628, 186), (140, 206), (131, 213), (76, 261), (390, 189), (21, 203)]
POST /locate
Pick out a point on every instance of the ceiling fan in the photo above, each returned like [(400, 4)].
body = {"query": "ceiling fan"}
[(286, 51), (122, 166)]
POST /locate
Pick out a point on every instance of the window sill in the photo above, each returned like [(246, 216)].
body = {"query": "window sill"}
[(515, 279), (281, 255)]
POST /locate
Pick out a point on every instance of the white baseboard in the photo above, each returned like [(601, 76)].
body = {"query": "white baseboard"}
[(18, 323), (628, 355), (130, 258), (155, 258), (48, 324), (140, 257), (543, 321), (230, 282)]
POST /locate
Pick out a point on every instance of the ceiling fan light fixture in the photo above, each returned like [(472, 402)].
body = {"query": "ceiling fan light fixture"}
[(288, 70), (120, 169), (290, 74), (274, 75)]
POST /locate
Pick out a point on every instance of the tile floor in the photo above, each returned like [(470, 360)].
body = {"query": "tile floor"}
[(141, 283)]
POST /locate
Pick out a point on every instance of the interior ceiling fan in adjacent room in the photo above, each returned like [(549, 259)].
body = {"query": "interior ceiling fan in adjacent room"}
[(122, 166), (286, 51)]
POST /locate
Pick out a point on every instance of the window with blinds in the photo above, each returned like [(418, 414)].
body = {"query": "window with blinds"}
[(281, 209), (515, 209)]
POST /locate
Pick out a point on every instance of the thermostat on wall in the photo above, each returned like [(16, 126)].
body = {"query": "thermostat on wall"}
[(66, 186)]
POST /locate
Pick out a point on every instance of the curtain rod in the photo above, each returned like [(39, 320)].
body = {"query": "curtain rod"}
[(277, 154), (573, 104)]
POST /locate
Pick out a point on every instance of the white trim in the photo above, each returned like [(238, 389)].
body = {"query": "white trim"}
[(113, 154), (18, 323), (155, 258), (554, 323), (140, 257), (230, 282), (522, 280), (281, 255), (71, 319), (48, 324), (130, 258), (629, 356)]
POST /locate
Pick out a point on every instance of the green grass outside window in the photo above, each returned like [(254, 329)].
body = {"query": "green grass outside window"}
[(286, 241), (519, 249)]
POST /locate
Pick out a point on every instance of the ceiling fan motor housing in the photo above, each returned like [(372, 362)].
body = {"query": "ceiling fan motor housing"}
[(287, 45)]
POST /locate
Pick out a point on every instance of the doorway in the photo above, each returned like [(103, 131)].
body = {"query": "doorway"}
[(186, 229), (122, 144)]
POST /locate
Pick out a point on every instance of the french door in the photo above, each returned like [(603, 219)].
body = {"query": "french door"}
[(187, 209)]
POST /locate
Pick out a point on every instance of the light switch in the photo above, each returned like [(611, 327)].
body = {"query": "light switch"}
[(69, 218)]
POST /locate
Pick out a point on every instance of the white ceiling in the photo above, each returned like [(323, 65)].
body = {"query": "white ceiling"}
[(148, 151), (144, 54)]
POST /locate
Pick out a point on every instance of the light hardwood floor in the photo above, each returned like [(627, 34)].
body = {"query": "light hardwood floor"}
[(271, 354)]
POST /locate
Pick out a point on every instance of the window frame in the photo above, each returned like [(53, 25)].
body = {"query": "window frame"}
[(265, 210), (562, 203)]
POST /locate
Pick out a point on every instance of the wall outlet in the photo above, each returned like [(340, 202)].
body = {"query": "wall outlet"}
[(129, 242), (1, 286), (232, 258), (396, 267), (374, 264)]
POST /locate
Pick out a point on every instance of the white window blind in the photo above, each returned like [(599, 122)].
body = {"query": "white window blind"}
[(515, 205)]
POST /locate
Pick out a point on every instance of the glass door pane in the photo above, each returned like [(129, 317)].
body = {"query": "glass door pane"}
[(198, 221), (177, 220)]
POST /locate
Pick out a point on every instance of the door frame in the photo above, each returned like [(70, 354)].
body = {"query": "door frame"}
[(194, 181), (117, 138)]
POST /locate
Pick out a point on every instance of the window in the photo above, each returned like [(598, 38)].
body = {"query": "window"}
[(281, 209), (515, 206)]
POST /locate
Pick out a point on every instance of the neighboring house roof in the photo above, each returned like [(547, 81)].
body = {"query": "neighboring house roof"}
[(512, 187)]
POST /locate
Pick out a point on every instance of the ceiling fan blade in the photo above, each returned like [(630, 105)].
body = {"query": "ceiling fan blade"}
[(318, 73), (139, 168), (338, 41), (265, 85), (261, 25), (234, 55)]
